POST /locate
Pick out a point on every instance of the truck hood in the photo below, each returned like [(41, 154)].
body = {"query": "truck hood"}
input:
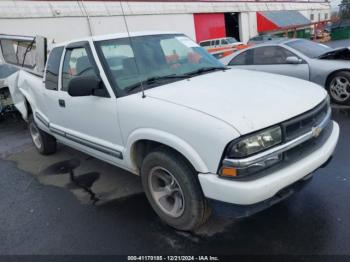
[(246, 100)]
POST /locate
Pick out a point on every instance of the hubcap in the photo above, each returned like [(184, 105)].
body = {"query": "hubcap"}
[(166, 192), (340, 88), (34, 132)]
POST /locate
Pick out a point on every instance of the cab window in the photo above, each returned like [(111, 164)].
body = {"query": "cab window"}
[(76, 63), (224, 42), (270, 55), (206, 43), (245, 58), (52, 68)]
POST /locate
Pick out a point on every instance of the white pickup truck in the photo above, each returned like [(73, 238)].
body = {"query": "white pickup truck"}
[(201, 136)]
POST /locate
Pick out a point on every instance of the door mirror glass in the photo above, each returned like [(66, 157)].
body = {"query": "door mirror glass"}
[(293, 60), (85, 86)]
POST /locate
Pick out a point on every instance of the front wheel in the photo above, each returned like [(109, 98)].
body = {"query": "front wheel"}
[(339, 88), (173, 190), (43, 142)]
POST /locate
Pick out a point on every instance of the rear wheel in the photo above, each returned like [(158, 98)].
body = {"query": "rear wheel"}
[(339, 88), (43, 142), (173, 190)]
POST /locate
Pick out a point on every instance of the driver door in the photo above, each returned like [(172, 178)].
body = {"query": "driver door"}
[(89, 123)]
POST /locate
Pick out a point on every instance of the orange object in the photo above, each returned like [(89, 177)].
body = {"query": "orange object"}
[(193, 57), (229, 172), (224, 48)]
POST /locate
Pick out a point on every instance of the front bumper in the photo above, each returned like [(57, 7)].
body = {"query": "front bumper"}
[(258, 190), (239, 211)]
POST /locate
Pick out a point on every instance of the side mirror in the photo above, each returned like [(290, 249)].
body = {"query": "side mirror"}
[(86, 86), (293, 60)]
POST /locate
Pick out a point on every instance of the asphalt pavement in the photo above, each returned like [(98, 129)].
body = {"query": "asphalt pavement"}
[(42, 212)]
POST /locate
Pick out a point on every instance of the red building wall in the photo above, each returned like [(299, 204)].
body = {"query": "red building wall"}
[(209, 26)]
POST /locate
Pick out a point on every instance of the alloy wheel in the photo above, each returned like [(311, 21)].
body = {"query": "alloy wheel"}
[(166, 192), (340, 88)]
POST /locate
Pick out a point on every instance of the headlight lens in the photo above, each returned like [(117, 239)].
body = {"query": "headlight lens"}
[(255, 143)]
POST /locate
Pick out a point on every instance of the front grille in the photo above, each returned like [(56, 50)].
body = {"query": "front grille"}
[(309, 146), (302, 124), (295, 154)]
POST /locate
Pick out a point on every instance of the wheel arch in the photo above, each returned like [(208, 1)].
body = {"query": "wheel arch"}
[(144, 141), (330, 75)]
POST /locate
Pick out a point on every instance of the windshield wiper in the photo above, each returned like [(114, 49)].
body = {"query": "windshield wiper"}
[(205, 69), (152, 80)]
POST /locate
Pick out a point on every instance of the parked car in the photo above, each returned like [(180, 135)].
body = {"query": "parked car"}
[(17, 52), (6, 103), (303, 59), (264, 38), (220, 44), (201, 136)]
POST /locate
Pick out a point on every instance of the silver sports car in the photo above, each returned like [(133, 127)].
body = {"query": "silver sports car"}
[(303, 59)]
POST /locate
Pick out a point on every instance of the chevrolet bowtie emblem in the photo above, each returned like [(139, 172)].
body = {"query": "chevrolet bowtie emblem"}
[(316, 131)]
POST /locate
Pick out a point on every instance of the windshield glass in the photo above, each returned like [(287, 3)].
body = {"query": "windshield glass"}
[(309, 48), (129, 62), (231, 40)]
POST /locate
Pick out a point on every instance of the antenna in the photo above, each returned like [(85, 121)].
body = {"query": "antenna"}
[(83, 10), (132, 47)]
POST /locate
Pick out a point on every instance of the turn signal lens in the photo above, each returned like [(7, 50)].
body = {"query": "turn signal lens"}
[(229, 172)]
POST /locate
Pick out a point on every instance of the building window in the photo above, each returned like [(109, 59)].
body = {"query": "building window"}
[(326, 16), (319, 16), (312, 17)]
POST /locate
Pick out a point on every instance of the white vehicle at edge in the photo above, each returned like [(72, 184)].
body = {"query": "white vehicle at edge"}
[(199, 135)]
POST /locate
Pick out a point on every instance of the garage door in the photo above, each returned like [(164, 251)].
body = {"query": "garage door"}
[(209, 26)]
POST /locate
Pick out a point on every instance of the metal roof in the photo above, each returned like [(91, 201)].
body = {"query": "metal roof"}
[(286, 18)]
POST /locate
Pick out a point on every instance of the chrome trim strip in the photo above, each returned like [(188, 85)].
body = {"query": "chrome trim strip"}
[(57, 131), (84, 142), (95, 146), (42, 119), (314, 132)]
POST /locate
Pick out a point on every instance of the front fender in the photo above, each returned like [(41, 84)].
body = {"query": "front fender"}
[(167, 139)]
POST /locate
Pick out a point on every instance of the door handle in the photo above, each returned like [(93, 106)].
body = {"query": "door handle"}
[(62, 103)]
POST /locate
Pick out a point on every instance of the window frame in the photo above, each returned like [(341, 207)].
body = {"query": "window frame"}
[(87, 47)]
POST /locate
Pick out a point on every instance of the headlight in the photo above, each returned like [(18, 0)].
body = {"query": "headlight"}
[(249, 145), (255, 143)]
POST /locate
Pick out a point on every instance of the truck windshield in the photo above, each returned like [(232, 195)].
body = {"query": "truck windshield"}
[(154, 58)]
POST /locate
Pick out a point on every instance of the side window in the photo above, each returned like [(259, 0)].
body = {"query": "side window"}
[(270, 55), (224, 42), (217, 42), (76, 63), (242, 59), (52, 68), (205, 44)]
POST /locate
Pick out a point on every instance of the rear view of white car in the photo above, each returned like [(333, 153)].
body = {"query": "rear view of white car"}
[(160, 106)]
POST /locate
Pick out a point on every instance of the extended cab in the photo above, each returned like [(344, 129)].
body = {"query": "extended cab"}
[(200, 135)]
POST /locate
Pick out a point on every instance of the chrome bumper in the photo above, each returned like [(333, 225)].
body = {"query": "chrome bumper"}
[(275, 151)]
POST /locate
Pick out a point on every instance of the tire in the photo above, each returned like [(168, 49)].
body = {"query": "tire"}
[(45, 144), (338, 87), (184, 208)]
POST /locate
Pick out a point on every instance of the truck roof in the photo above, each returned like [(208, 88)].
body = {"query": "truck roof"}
[(115, 36)]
